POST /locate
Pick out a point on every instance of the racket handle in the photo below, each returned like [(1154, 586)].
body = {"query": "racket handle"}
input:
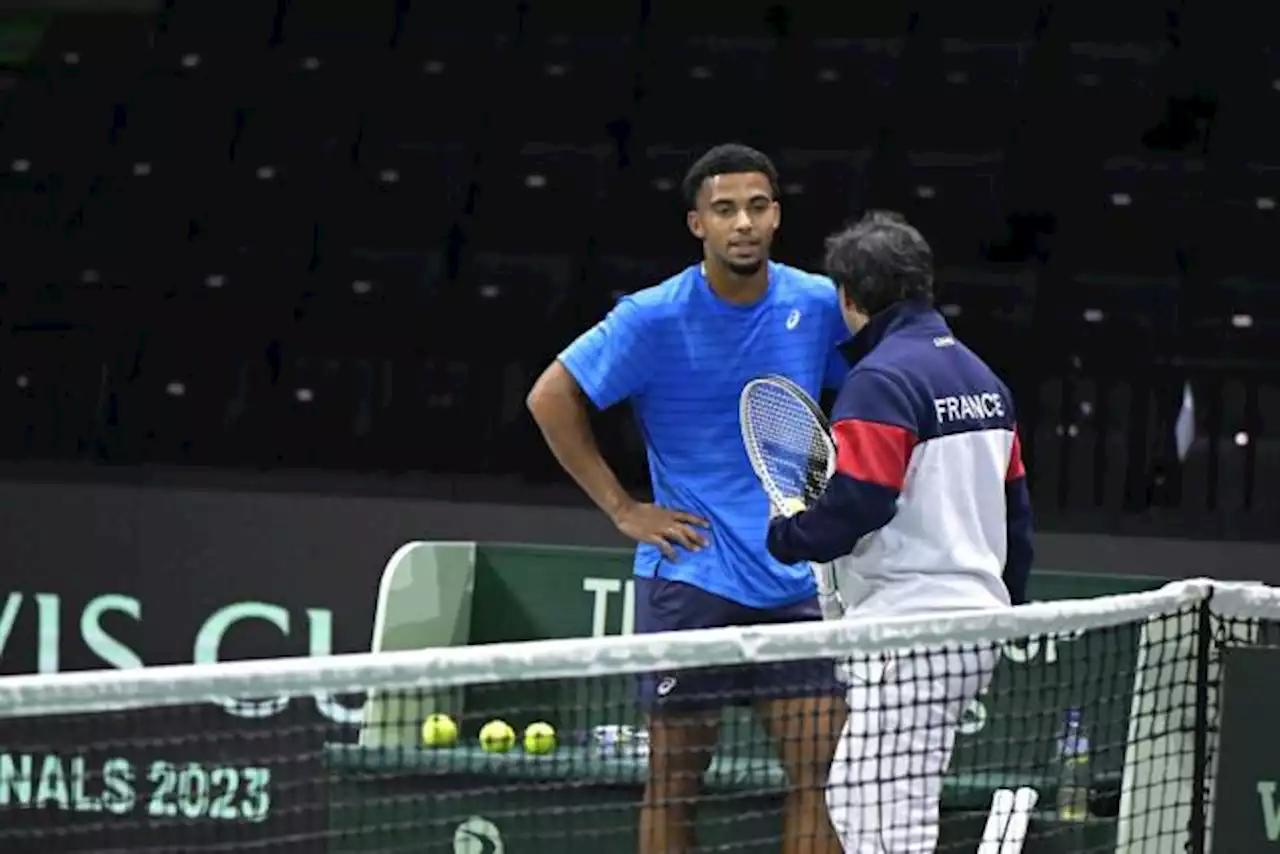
[(828, 597)]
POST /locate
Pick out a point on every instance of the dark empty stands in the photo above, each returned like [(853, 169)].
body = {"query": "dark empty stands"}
[(293, 232)]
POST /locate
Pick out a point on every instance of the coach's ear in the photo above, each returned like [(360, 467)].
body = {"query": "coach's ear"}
[(695, 225)]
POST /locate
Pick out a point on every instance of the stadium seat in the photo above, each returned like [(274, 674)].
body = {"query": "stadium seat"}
[(57, 127), (336, 41), (538, 199), (372, 304), (82, 66), (650, 218), (821, 191), (1137, 22), (85, 284), (1247, 88), (184, 401), (992, 310), (1117, 267), (359, 316), (299, 112), (707, 90), (505, 290), (136, 206), (175, 117), (1001, 22), (446, 79), (53, 379), (452, 63), (1084, 425), (706, 69), (38, 197), (438, 420), (1109, 73), (955, 200), (1236, 300), (218, 37), (565, 90), (836, 74), (852, 21), (111, 45), (668, 20), (252, 289), (194, 393), (965, 97), (500, 19), (1113, 99), (263, 200), (567, 20), (319, 409), (395, 198), (1130, 218)]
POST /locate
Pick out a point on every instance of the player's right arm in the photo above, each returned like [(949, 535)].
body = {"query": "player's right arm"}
[(606, 364)]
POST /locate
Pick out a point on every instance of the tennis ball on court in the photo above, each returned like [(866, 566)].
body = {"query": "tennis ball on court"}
[(497, 737), (539, 737), (439, 731)]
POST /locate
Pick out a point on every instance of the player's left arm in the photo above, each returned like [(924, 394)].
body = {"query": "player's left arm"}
[(874, 427), (1019, 525)]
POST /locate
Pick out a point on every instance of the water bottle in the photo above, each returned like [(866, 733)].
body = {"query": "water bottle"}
[(612, 740), (1073, 780)]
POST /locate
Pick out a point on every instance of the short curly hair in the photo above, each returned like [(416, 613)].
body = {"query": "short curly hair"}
[(880, 260), (730, 159)]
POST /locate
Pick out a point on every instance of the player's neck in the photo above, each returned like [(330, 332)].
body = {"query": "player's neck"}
[(734, 288)]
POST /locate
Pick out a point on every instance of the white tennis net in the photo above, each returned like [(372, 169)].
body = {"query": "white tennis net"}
[(159, 759)]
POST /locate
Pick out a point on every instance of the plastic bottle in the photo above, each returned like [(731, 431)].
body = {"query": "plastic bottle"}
[(1073, 779)]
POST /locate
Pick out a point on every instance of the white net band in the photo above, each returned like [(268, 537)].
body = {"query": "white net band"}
[(434, 669)]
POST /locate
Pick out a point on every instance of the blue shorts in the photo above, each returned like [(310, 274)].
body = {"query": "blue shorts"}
[(664, 606)]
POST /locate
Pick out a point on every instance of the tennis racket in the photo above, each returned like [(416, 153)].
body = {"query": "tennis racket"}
[(789, 444)]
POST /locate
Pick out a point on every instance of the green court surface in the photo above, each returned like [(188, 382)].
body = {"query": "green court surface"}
[(396, 799)]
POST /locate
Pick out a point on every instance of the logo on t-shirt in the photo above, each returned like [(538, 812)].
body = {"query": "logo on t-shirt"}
[(793, 319)]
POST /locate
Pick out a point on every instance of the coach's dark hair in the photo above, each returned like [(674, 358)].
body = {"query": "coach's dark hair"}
[(730, 159), (879, 260)]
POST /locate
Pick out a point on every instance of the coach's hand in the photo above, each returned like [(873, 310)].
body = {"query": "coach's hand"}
[(649, 523)]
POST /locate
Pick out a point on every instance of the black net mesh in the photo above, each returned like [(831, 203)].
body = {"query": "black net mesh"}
[(1098, 735)]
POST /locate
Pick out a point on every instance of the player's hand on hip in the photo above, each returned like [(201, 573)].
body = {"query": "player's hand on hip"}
[(664, 528)]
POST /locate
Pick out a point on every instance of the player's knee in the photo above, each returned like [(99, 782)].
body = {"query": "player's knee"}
[(807, 731), (680, 750)]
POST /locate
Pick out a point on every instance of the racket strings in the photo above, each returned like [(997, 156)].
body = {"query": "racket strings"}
[(791, 445)]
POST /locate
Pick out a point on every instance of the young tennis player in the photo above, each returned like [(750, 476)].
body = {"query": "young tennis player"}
[(681, 353), (927, 511)]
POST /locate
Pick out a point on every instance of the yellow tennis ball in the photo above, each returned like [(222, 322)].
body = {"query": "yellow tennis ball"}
[(439, 731), (497, 737), (791, 506), (539, 737)]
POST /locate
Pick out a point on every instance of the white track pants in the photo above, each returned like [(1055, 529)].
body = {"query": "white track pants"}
[(886, 779)]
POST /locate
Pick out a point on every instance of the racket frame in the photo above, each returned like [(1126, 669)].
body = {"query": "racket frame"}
[(832, 604), (776, 498)]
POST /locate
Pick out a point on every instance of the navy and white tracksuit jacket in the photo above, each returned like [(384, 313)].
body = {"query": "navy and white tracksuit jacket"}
[(928, 509)]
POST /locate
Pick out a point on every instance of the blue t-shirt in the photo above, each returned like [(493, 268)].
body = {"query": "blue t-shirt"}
[(682, 355)]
